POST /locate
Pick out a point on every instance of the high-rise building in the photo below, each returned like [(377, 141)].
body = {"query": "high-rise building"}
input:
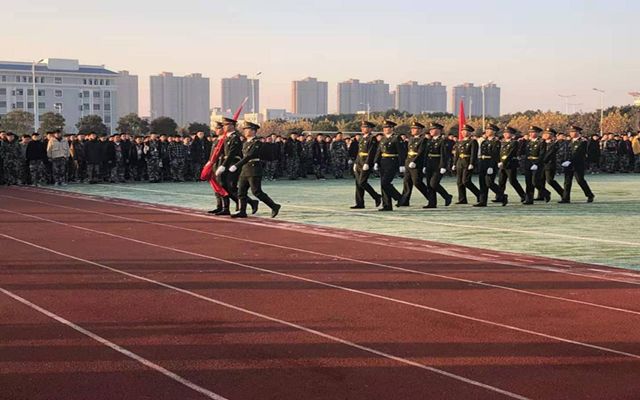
[(416, 99), (354, 96), (63, 86), (127, 93), (236, 89), (309, 97), (183, 98), (472, 97)]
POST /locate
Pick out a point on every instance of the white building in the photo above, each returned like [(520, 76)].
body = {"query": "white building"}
[(127, 94), (236, 89), (354, 96), (185, 99), (62, 86), (309, 97), (472, 97), (416, 99)]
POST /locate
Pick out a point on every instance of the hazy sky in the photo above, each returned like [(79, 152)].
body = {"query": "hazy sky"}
[(534, 50)]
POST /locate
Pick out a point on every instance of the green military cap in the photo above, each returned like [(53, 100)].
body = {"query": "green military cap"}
[(534, 128), (551, 131), (510, 130), (417, 125), (389, 124), (228, 121), (367, 124), (251, 125), (493, 127), (468, 128), (575, 128), (435, 125)]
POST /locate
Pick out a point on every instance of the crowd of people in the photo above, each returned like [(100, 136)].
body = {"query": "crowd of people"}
[(59, 159)]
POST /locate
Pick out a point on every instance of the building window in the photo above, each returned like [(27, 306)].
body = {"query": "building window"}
[(84, 81), (29, 92), (41, 92), (41, 106), (57, 80), (24, 79), (107, 82), (4, 78), (107, 107), (58, 93), (3, 91), (20, 104), (30, 104), (96, 107), (19, 92), (85, 107), (80, 107), (85, 94), (107, 119), (3, 104), (96, 94), (107, 95)]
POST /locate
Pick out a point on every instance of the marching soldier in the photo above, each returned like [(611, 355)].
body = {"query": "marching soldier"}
[(575, 165), (465, 160), (251, 171), (367, 149), (508, 164), (549, 160), (488, 167), (533, 174), (389, 160), (218, 130), (414, 164), (438, 156)]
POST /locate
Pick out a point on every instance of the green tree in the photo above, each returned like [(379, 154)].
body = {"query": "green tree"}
[(17, 121), (92, 124), (51, 121), (133, 124), (196, 127), (164, 126), (325, 125)]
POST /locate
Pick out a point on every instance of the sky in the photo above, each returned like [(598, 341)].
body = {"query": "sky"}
[(533, 50)]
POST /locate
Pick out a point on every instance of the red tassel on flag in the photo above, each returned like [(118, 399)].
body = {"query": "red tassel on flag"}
[(461, 120)]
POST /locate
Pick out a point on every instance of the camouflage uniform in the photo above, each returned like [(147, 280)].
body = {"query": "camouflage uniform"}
[(177, 156), (339, 156), (292, 159), (306, 166), (152, 152), (37, 172), (10, 155), (610, 155), (80, 161), (118, 168), (23, 166)]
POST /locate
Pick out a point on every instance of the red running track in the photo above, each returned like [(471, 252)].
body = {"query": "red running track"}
[(117, 299)]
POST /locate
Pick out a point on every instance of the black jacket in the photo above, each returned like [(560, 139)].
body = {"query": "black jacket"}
[(93, 152), (36, 150)]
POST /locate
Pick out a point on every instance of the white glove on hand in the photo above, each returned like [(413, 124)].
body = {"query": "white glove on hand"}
[(412, 165), (443, 171), (402, 170), (220, 170), (375, 166), (534, 167), (470, 167), (489, 171), (424, 170), (566, 164), (233, 168), (145, 149), (500, 165), (355, 168), (365, 167), (453, 168), (160, 164), (350, 162)]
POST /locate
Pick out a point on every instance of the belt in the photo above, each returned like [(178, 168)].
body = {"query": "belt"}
[(503, 157), (363, 154), (532, 158), (236, 157), (254, 159), (465, 155), (389, 155), (412, 153), (486, 157), (434, 155)]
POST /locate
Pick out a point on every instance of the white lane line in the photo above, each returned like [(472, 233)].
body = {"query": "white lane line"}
[(334, 256), (376, 216), (119, 349), (279, 321), (314, 230), (343, 288)]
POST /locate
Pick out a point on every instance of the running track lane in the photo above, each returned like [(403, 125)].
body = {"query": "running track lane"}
[(472, 351)]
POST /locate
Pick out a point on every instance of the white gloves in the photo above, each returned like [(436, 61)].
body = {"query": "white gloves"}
[(402, 170), (375, 166), (566, 164), (220, 170), (489, 171), (453, 168), (355, 168), (500, 165), (160, 164), (412, 165), (145, 149), (365, 167), (350, 162), (470, 167), (443, 171), (534, 167), (233, 168), (424, 170)]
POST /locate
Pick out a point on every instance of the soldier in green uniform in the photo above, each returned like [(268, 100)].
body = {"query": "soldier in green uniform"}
[(549, 160), (389, 160), (414, 164), (367, 149), (465, 161), (488, 167), (533, 173), (438, 156), (575, 165), (508, 164), (251, 170)]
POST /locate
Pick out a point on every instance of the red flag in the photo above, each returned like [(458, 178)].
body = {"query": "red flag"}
[(208, 174), (461, 120)]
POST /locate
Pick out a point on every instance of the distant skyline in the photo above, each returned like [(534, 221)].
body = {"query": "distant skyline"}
[(533, 50)]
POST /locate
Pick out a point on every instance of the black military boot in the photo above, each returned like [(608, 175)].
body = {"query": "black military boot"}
[(225, 207), (242, 203)]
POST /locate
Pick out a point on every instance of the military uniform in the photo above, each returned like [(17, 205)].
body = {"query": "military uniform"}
[(465, 161), (367, 149), (390, 157), (437, 160), (414, 165), (153, 154), (533, 171), (119, 167), (339, 156), (10, 155), (177, 156), (509, 165), (574, 166), (488, 160)]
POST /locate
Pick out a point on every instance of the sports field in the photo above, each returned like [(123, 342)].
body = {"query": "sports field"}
[(605, 232)]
